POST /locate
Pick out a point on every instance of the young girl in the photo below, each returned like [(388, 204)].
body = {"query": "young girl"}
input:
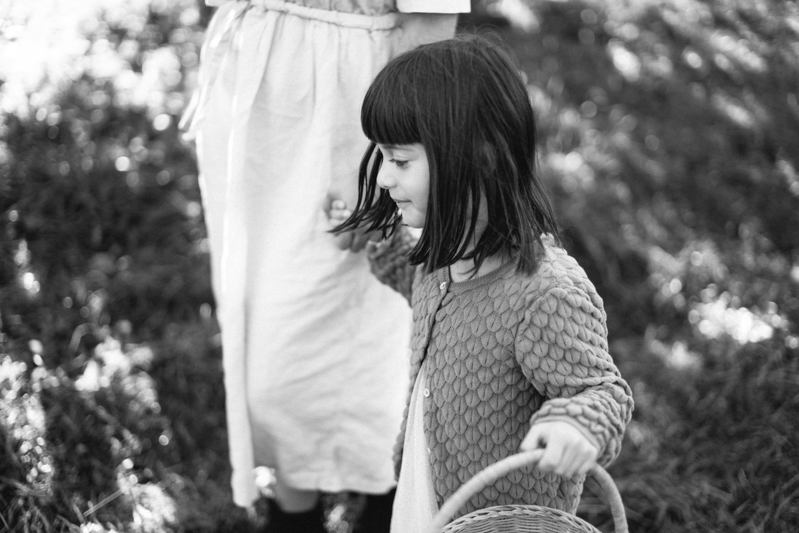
[(509, 344)]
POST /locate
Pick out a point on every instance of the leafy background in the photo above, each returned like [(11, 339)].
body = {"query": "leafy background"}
[(669, 139)]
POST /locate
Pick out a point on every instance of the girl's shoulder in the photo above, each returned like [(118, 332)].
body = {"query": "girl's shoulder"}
[(558, 269)]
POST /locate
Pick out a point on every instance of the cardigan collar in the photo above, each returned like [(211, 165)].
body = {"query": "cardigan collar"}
[(443, 276)]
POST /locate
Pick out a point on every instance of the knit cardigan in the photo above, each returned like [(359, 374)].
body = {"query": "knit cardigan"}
[(504, 351)]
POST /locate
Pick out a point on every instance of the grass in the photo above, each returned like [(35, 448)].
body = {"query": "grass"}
[(667, 134)]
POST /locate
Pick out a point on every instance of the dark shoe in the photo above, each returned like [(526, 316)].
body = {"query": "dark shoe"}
[(279, 521), (376, 514)]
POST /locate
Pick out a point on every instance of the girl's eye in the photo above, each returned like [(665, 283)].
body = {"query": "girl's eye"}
[(400, 163)]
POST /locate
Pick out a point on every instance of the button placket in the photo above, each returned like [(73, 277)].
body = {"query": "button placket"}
[(431, 318)]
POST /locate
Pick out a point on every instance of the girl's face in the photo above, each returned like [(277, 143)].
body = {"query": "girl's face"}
[(405, 174)]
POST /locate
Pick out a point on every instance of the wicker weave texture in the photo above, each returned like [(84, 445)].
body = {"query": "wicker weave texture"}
[(519, 519), (523, 518)]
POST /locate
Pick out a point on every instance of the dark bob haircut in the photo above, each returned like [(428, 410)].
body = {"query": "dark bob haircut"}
[(464, 100)]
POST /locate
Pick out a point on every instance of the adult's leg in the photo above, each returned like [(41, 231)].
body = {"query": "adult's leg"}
[(295, 511), (376, 514), (293, 500)]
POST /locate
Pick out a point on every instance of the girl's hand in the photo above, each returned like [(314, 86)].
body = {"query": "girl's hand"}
[(566, 451), (354, 240), (337, 215)]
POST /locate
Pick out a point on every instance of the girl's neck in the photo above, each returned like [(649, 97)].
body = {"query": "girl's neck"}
[(463, 270)]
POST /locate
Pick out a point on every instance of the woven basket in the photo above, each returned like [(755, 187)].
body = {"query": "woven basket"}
[(522, 518)]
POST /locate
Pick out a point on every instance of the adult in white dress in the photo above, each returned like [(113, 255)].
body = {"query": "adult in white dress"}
[(314, 348)]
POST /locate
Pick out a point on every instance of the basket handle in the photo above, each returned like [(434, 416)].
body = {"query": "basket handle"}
[(500, 468)]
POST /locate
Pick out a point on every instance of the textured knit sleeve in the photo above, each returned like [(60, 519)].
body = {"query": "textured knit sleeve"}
[(389, 261), (562, 347)]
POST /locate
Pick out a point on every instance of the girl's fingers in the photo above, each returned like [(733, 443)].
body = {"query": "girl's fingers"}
[(571, 464), (335, 219), (340, 214), (532, 440), (580, 461), (565, 452), (551, 459), (354, 240)]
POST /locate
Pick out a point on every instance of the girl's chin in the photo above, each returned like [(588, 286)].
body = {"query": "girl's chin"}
[(410, 220)]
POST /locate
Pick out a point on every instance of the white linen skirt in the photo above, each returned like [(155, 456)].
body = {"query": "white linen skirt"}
[(314, 348)]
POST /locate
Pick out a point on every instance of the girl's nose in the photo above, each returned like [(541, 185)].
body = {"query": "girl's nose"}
[(384, 178)]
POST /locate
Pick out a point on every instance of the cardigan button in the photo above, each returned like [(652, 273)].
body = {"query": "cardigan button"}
[(427, 393), (443, 286)]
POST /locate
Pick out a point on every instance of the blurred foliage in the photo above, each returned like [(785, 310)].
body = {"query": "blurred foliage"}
[(103, 245), (668, 137), (669, 134)]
